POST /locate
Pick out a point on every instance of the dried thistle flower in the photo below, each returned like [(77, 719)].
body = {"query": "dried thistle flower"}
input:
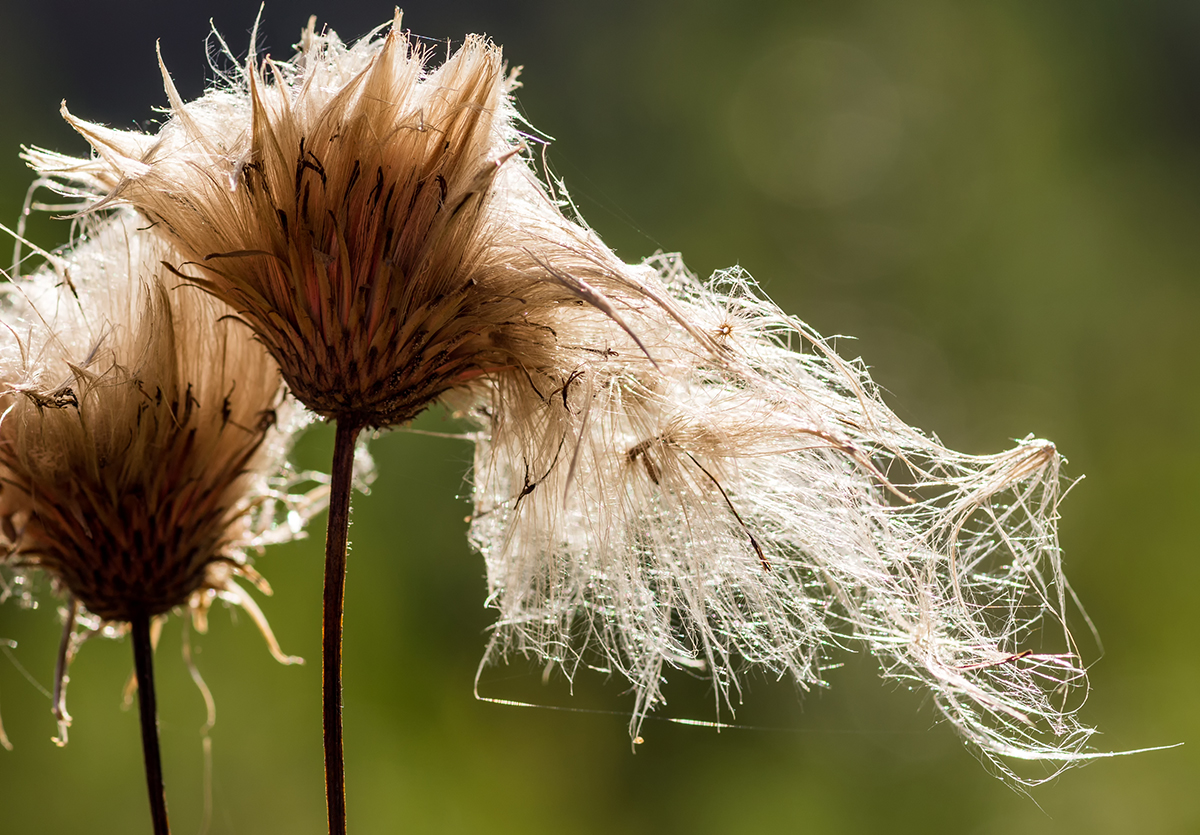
[(141, 447), (669, 473), (375, 224), (344, 204)]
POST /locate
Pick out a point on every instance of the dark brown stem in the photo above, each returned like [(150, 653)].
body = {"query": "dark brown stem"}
[(336, 536), (143, 662)]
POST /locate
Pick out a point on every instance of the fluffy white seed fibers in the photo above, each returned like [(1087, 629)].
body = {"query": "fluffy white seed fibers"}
[(741, 496)]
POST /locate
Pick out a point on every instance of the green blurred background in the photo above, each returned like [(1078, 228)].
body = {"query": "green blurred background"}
[(999, 200)]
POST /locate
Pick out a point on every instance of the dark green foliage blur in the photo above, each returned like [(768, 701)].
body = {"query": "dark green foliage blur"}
[(1000, 201)]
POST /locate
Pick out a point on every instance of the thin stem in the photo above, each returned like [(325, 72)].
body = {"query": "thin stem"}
[(336, 536), (61, 665), (143, 662)]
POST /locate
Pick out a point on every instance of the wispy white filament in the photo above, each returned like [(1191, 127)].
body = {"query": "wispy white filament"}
[(744, 498)]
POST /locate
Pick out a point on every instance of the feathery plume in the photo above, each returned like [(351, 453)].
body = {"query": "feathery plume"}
[(142, 448), (752, 501), (669, 473)]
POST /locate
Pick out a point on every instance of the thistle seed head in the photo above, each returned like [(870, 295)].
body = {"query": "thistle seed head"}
[(141, 438), (370, 217)]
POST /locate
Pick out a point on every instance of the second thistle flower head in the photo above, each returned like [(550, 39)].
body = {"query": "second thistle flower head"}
[(140, 432), (344, 204)]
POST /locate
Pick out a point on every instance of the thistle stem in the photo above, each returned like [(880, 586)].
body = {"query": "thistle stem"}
[(336, 536), (143, 662)]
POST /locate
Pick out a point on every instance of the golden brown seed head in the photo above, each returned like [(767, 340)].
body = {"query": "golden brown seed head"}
[(346, 205), (137, 429)]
